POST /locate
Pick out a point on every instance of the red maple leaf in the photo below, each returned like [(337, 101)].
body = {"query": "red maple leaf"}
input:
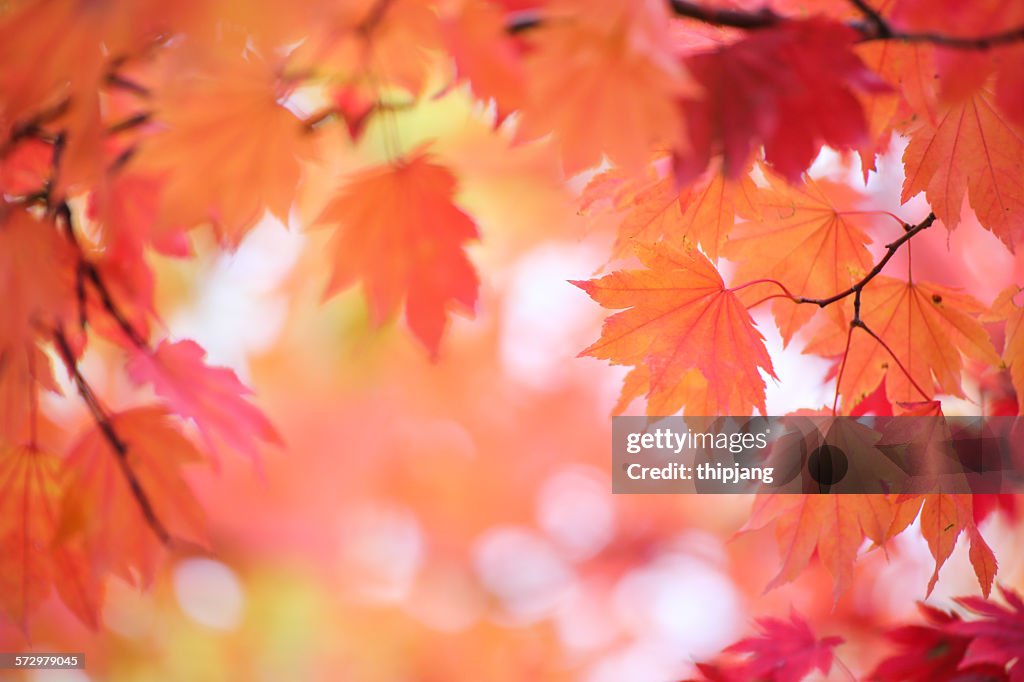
[(784, 651)]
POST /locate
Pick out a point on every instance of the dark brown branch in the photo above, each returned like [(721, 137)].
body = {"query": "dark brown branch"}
[(988, 42), (873, 27), (33, 127), (877, 28), (891, 249), (116, 80), (129, 123), (730, 18), (856, 291), (87, 273), (521, 22), (882, 29), (117, 445)]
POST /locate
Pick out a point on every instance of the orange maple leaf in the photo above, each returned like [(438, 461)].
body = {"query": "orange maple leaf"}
[(23, 370), (701, 213), (926, 326), (485, 54), (401, 234), (1013, 349), (36, 276), (834, 525), (944, 517), (212, 397), (31, 491), (824, 250), (680, 317), (972, 151), (227, 148), (102, 513), (604, 77)]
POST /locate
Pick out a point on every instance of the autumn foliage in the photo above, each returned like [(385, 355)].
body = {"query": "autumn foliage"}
[(371, 211)]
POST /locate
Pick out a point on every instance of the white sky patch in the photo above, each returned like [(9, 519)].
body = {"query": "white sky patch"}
[(801, 381), (546, 321), (209, 593), (238, 310), (382, 548), (575, 510), (682, 603), (523, 570)]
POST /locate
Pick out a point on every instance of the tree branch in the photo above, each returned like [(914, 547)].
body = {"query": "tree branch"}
[(87, 273), (873, 27), (106, 427), (730, 18), (891, 249), (876, 27), (881, 26)]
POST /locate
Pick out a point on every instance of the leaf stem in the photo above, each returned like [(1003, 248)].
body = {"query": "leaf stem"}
[(842, 368), (117, 445), (899, 364), (88, 273), (765, 281), (873, 26), (768, 298)]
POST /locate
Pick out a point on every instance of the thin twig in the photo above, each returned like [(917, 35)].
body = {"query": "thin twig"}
[(117, 445), (883, 344), (730, 18), (88, 273), (881, 26), (891, 249), (116, 80), (129, 123), (873, 27), (842, 368)]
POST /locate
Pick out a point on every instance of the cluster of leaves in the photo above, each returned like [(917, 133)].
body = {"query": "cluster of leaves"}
[(128, 128), (989, 647)]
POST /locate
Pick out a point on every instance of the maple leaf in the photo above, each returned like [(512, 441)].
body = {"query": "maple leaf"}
[(943, 518), (127, 210), (680, 317), (925, 325), (485, 55), (36, 276), (25, 169), (1013, 349), (702, 212), (401, 234), (825, 242), (998, 635), (972, 151), (373, 42), (930, 652), (103, 513), (30, 564), (833, 525), (212, 397), (23, 370), (226, 119), (961, 73), (791, 87), (783, 651), (945, 514), (604, 78)]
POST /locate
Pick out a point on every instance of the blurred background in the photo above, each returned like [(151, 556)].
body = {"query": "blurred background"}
[(452, 520)]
